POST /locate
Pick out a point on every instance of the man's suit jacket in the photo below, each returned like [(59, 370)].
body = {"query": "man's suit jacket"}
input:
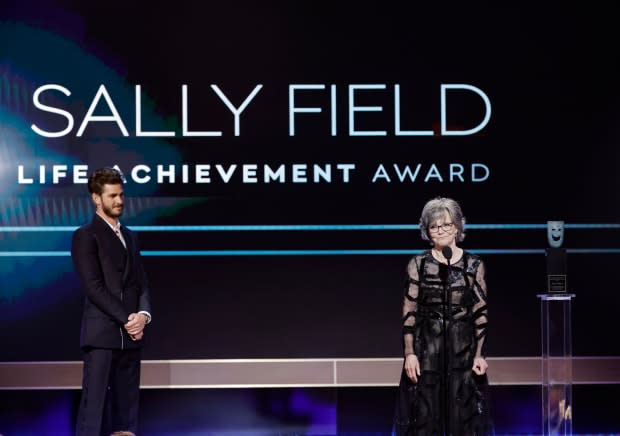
[(113, 280)]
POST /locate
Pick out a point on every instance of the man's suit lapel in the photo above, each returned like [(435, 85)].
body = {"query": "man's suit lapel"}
[(105, 231), (129, 257)]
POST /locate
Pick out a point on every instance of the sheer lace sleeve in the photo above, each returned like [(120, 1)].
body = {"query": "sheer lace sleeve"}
[(480, 310), (410, 304)]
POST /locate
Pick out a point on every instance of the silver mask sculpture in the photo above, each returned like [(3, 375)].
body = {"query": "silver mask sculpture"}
[(555, 233)]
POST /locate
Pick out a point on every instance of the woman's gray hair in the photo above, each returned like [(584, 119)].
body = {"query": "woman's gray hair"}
[(436, 209)]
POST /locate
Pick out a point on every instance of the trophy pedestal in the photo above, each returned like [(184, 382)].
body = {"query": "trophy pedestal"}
[(557, 364)]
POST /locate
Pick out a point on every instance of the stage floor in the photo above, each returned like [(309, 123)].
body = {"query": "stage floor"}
[(294, 411)]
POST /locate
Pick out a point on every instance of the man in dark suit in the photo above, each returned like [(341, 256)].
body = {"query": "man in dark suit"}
[(116, 309)]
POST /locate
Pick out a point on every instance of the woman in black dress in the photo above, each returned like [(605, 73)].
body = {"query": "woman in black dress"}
[(443, 386)]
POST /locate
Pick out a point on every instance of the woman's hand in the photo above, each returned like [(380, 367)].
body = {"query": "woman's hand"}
[(412, 367), (480, 366)]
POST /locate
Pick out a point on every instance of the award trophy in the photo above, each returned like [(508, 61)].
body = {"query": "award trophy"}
[(556, 257), (557, 361)]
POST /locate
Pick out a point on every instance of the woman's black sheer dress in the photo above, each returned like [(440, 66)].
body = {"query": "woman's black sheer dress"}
[(421, 407)]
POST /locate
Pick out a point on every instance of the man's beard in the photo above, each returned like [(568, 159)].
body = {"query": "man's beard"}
[(108, 211)]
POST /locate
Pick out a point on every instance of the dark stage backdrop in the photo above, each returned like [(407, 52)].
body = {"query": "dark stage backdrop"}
[(277, 159)]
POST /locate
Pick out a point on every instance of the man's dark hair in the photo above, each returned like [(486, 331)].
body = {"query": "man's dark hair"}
[(104, 176)]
